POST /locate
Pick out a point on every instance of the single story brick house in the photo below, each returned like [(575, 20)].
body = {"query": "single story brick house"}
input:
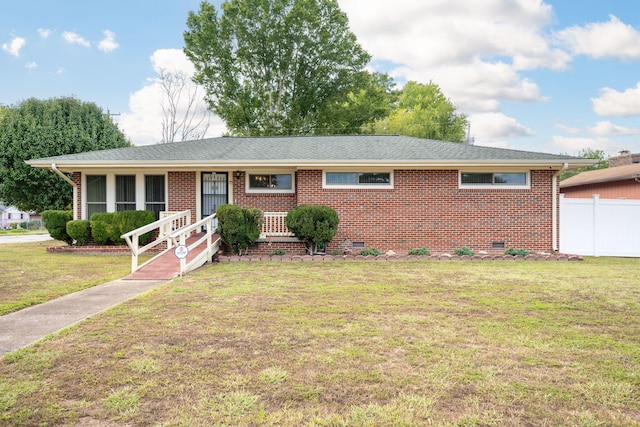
[(390, 192)]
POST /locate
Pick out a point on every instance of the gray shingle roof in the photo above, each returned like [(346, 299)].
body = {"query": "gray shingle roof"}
[(306, 150)]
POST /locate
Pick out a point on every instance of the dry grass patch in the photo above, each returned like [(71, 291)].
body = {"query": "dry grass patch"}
[(349, 344), (29, 275)]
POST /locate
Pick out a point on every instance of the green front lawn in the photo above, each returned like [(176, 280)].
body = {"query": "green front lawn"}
[(336, 343)]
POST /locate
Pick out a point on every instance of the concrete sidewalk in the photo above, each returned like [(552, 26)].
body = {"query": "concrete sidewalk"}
[(31, 324)]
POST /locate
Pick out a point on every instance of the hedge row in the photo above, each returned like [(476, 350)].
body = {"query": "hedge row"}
[(105, 227)]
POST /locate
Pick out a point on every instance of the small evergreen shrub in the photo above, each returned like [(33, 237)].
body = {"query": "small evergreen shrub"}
[(277, 252), (516, 252), (79, 230), (419, 251), (370, 251), (107, 227), (56, 223), (313, 224), (463, 251), (102, 225), (127, 221), (239, 228)]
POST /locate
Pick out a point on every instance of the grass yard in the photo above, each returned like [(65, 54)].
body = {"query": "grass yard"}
[(406, 343), (29, 275)]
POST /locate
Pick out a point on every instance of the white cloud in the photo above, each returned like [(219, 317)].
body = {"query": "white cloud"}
[(475, 54), (143, 124), (614, 103), (602, 128), (44, 32), (575, 145), (75, 38), (613, 39), (14, 46), (492, 129), (607, 128), (108, 43), (31, 65)]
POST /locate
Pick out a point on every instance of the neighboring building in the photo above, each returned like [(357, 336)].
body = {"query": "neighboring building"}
[(621, 180), (11, 215), (390, 192)]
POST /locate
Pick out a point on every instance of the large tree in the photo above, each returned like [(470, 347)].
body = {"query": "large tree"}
[(184, 114), (272, 67), (423, 111), (44, 128)]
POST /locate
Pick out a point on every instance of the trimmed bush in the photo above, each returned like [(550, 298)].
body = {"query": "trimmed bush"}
[(56, 223), (516, 252), (102, 227), (127, 221), (314, 225), (79, 230), (463, 251), (239, 228), (370, 251), (419, 251), (107, 227)]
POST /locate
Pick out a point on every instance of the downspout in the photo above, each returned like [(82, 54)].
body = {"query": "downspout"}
[(554, 219), (75, 189)]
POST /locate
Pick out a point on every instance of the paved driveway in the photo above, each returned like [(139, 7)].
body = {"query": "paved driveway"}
[(25, 238)]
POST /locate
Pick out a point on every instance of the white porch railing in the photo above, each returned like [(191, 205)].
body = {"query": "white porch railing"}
[(180, 236), (274, 225), (169, 221)]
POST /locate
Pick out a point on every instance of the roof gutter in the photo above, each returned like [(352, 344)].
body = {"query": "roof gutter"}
[(554, 216), (73, 184)]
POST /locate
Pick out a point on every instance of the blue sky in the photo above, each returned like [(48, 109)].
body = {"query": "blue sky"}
[(556, 76)]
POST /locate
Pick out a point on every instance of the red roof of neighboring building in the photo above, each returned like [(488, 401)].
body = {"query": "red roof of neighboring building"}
[(618, 173)]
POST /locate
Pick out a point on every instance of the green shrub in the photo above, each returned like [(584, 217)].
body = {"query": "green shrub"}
[(253, 220), (516, 252), (127, 221), (419, 251), (314, 225), (370, 251), (102, 227), (463, 251), (277, 252), (79, 230), (107, 227), (56, 223), (238, 228)]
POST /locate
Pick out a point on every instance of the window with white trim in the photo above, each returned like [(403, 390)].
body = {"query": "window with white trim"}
[(154, 194), (125, 193), (494, 180), (357, 180), (96, 194), (270, 183)]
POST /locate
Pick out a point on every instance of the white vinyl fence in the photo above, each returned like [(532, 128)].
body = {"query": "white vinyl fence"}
[(600, 227)]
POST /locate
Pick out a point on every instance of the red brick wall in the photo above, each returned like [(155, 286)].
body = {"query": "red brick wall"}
[(279, 202), (628, 189), (426, 208), (182, 192), (77, 179)]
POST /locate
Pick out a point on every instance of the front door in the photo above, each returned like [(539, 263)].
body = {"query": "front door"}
[(214, 192)]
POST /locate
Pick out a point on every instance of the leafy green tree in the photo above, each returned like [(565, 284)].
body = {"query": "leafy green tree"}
[(44, 128), (588, 153), (275, 67), (423, 111)]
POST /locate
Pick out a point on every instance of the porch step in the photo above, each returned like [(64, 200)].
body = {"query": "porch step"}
[(166, 266)]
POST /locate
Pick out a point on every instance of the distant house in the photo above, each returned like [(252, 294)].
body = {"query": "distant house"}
[(12, 215), (390, 192), (621, 180)]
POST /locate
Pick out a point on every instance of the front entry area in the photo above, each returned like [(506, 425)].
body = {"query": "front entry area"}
[(214, 191)]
